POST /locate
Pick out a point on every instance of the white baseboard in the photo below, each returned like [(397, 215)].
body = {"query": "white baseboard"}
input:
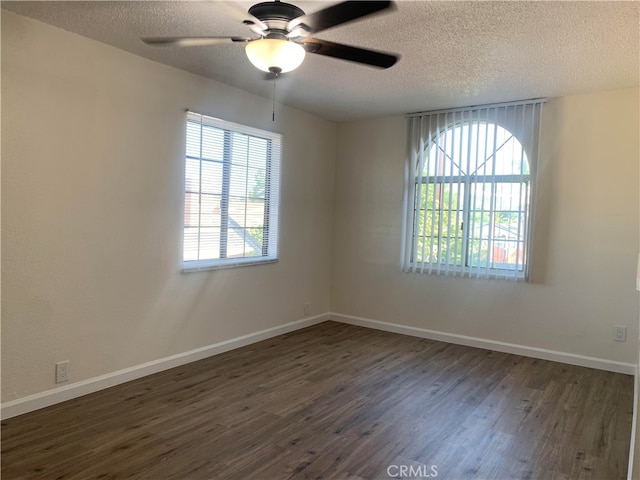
[(84, 387), (634, 422), (542, 353)]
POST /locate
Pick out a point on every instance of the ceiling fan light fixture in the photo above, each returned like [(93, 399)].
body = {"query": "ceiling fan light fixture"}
[(275, 55)]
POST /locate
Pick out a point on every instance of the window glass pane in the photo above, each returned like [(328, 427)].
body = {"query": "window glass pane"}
[(511, 196), (237, 211), (211, 212), (440, 223), (244, 242), (478, 252), (239, 148), (508, 254), (255, 213), (235, 242), (254, 238), (209, 243), (193, 139), (192, 175), (230, 201), (212, 177), (497, 231), (258, 153), (511, 159), (191, 210), (212, 143), (239, 181), (472, 194), (477, 148), (257, 182), (190, 244)]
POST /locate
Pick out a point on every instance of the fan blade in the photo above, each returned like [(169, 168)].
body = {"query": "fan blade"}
[(192, 41), (352, 54), (231, 11), (338, 14)]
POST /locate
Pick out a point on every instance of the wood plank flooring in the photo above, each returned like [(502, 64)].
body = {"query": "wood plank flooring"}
[(336, 401)]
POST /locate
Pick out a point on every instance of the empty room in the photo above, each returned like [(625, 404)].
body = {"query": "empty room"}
[(320, 240)]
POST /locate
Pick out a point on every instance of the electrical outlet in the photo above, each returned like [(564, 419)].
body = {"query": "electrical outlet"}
[(307, 309), (62, 371), (620, 334)]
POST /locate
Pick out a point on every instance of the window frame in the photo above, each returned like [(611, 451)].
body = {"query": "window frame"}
[(425, 132), (272, 172)]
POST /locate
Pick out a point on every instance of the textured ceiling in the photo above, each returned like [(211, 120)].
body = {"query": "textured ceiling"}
[(453, 53)]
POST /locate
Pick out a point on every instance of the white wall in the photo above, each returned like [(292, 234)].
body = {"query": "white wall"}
[(91, 220), (92, 153), (635, 444), (584, 251)]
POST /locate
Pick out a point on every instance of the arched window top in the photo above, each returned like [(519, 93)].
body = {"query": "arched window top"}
[(474, 148)]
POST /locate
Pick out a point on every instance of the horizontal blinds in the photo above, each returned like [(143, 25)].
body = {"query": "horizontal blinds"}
[(468, 195), (232, 176)]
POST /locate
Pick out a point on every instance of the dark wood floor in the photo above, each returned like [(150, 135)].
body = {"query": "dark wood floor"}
[(341, 402)]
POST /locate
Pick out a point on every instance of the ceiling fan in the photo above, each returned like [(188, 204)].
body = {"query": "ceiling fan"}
[(282, 35)]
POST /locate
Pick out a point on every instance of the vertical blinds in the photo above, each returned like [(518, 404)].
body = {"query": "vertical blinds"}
[(232, 183), (468, 192)]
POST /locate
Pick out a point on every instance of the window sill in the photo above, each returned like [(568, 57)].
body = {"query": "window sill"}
[(245, 262), (481, 274)]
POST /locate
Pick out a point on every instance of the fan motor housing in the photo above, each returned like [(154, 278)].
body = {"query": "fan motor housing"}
[(276, 15)]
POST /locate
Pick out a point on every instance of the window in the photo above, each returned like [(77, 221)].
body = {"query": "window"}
[(232, 178), (468, 196)]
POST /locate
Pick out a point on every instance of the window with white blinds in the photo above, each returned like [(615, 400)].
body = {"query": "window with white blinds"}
[(232, 182), (469, 190)]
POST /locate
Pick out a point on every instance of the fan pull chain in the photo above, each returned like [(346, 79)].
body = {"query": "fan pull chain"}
[(275, 71), (273, 111)]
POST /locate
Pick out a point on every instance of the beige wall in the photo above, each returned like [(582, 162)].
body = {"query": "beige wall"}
[(92, 146), (91, 216), (585, 248), (636, 435)]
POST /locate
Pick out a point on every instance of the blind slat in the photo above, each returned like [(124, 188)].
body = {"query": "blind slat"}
[(468, 206)]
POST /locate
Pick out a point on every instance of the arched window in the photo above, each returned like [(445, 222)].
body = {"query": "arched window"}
[(471, 192)]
